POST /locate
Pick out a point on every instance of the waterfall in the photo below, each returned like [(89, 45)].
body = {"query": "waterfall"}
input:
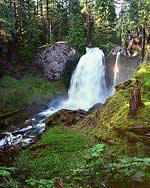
[(116, 69), (88, 87), (88, 84)]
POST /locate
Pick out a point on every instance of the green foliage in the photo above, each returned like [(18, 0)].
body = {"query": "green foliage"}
[(105, 170), (95, 151), (6, 171), (104, 34), (5, 177), (76, 32), (29, 41), (42, 183), (133, 20), (7, 21)]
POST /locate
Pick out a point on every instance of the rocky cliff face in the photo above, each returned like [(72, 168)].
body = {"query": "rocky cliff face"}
[(53, 60)]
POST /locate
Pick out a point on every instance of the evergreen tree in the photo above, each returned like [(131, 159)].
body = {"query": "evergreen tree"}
[(76, 32), (7, 20), (105, 20)]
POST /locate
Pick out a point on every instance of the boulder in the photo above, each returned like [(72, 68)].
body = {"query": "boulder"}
[(65, 118), (53, 60)]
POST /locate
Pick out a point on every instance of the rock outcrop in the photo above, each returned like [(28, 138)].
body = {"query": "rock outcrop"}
[(53, 60), (65, 118)]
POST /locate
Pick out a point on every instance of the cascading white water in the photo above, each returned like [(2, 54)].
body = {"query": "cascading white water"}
[(88, 87), (116, 69), (88, 84)]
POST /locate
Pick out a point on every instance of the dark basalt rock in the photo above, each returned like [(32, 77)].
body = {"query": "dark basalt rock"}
[(53, 60), (95, 107), (65, 118)]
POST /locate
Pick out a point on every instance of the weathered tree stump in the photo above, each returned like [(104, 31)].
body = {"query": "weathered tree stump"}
[(135, 101)]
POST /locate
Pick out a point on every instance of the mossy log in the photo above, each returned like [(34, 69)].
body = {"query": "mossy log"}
[(135, 101)]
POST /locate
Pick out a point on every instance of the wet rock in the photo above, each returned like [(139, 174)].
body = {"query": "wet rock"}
[(54, 59), (65, 118), (25, 145), (126, 66), (30, 122), (69, 69), (95, 107)]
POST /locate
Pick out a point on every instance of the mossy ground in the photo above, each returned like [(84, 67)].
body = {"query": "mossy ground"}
[(57, 152), (26, 92), (111, 122)]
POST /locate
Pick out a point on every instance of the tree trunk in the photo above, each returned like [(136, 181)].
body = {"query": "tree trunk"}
[(88, 24), (10, 3), (20, 15), (37, 7), (48, 20), (41, 8), (88, 29), (143, 47), (135, 101), (15, 9)]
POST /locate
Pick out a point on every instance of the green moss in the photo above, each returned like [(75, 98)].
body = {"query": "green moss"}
[(116, 111), (28, 91), (111, 121), (55, 154)]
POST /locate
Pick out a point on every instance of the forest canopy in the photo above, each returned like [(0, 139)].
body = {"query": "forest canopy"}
[(29, 24)]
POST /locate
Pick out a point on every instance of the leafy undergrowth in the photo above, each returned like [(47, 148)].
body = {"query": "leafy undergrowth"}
[(27, 91), (97, 169), (57, 152)]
